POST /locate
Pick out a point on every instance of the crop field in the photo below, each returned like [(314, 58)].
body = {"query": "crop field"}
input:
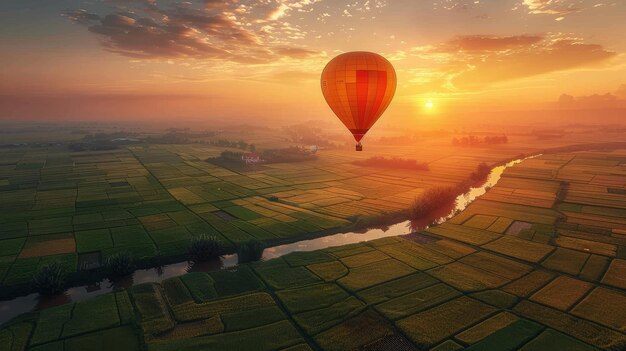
[(538, 263), (334, 299), (150, 200)]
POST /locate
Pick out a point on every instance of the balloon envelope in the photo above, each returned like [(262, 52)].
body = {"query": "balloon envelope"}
[(358, 86)]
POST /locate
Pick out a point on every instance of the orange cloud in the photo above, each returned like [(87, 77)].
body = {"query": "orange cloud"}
[(477, 61), (489, 42), (595, 101), (553, 7)]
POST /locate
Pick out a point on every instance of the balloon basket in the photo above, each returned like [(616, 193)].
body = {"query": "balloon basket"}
[(359, 147)]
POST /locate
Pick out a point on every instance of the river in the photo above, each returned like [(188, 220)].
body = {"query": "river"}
[(34, 302)]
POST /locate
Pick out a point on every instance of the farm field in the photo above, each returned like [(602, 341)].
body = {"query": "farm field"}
[(150, 200), (538, 263)]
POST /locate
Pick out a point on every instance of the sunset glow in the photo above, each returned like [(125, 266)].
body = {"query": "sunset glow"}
[(300, 175), (226, 59)]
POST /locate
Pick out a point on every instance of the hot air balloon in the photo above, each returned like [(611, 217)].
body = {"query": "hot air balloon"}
[(358, 86)]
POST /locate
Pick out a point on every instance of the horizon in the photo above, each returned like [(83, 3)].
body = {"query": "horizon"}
[(243, 60)]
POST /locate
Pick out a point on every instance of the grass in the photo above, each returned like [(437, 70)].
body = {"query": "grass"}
[(518, 248), (529, 283), (566, 260), (363, 259), (50, 324), (83, 315), (301, 258), (21, 332), (585, 331), (317, 320), (200, 286), (480, 221), (235, 281), (417, 301), (430, 327), (616, 274), (392, 163), (279, 275), (11, 246), (121, 339), (553, 340), (467, 278), (486, 328), (241, 320), (596, 266), (176, 291), (594, 307), (509, 338), (354, 333), (93, 240), (330, 299), (193, 312), (374, 273), (311, 297), (562, 293), (329, 271), (270, 337), (151, 308), (496, 298), (396, 288)]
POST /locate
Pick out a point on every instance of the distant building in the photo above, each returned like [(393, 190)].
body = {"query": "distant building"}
[(251, 158)]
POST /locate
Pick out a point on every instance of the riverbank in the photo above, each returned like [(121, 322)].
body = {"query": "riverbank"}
[(386, 226)]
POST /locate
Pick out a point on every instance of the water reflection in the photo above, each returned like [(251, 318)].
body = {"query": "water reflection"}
[(336, 240), (121, 282), (206, 266), (35, 302), (44, 302), (437, 216)]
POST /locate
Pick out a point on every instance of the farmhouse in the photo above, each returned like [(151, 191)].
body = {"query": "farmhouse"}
[(251, 158)]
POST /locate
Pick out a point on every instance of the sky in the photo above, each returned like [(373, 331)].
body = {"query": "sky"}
[(245, 60)]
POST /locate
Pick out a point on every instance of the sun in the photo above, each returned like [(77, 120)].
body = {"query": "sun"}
[(429, 104)]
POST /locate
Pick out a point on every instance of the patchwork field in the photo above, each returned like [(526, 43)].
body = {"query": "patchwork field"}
[(482, 281), (150, 200)]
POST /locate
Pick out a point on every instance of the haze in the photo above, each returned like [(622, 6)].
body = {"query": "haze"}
[(244, 60)]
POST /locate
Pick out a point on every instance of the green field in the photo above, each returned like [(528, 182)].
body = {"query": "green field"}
[(558, 283), (151, 199)]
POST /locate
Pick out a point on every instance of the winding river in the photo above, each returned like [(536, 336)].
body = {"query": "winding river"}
[(34, 302)]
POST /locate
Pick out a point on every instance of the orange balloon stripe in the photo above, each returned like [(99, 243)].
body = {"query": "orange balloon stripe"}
[(358, 87), (380, 94), (361, 95)]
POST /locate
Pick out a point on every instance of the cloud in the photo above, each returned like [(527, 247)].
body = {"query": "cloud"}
[(81, 16), (553, 7), (232, 30), (295, 52), (278, 12), (595, 101), (477, 61), (489, 42), (545, 57), (621, 92), (288, 77)]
